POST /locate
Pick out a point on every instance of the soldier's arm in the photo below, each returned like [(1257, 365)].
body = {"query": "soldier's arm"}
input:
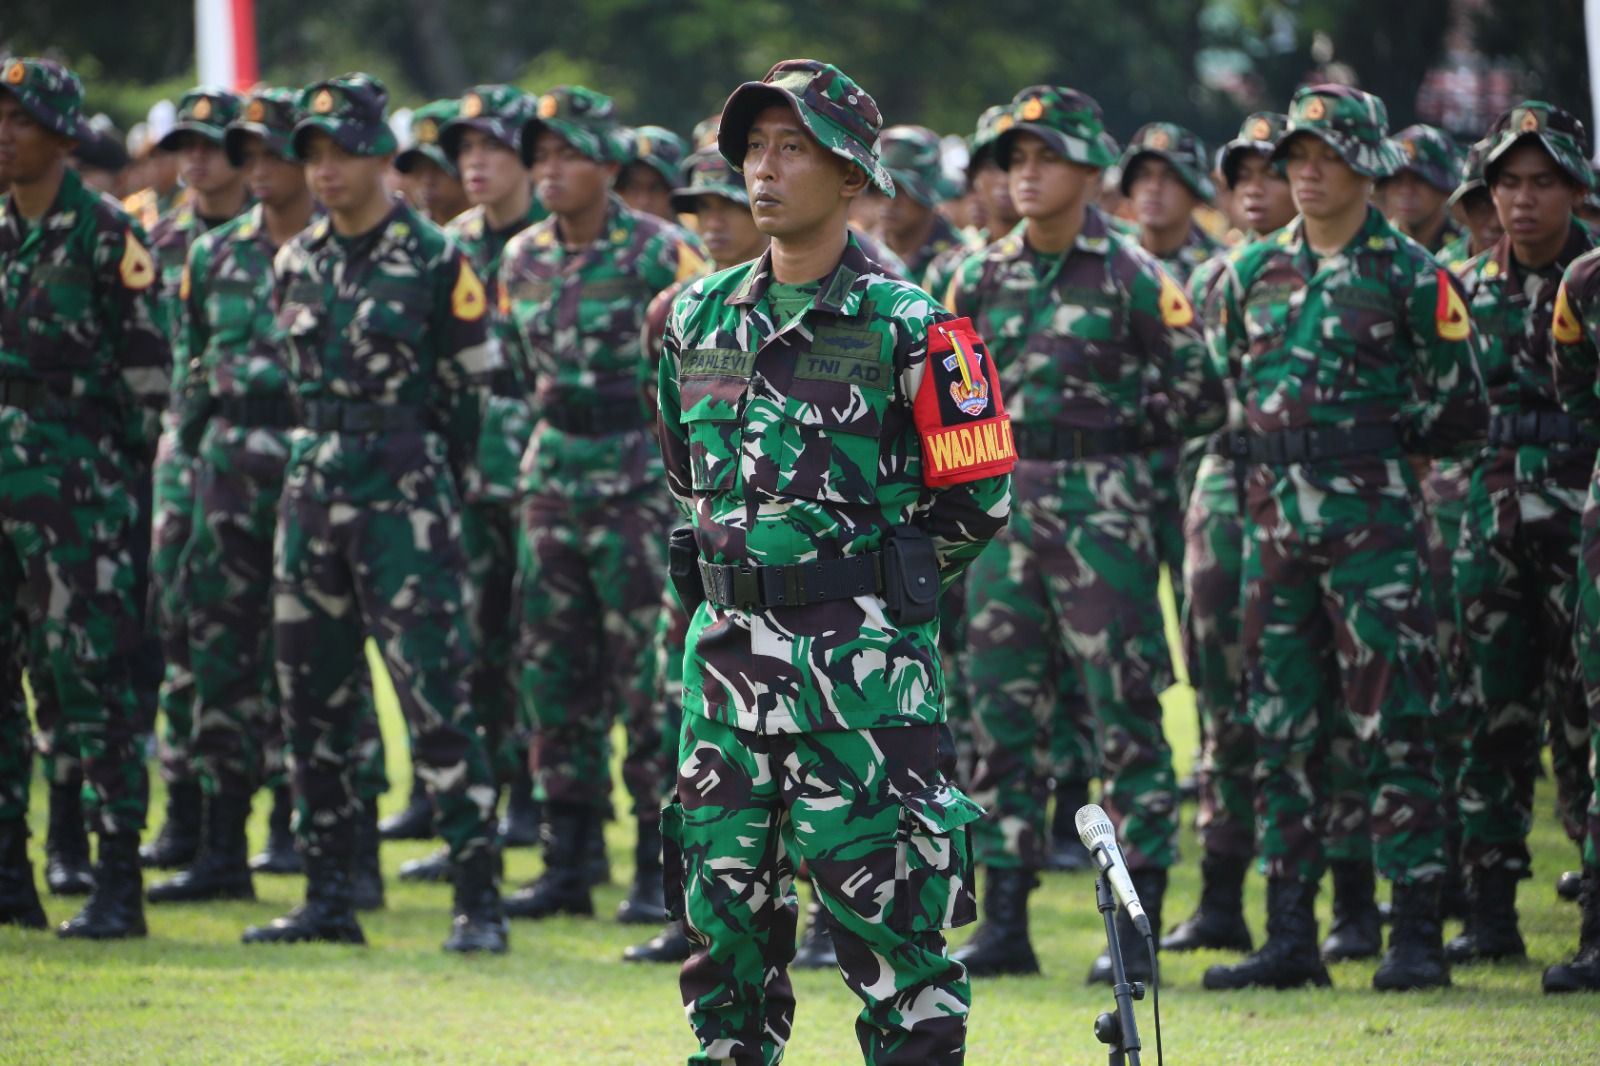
[(1573, 356), (128, 293), (468, 354), (678, 260), (1191, 400), (189, 346), (1448, 413), (669, 428)]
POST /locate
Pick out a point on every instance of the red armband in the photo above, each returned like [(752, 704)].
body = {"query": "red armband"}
[(966, 433)]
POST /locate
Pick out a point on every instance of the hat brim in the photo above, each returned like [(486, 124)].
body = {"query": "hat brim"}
[(347, 135), (408, 160), (684, 201), (592, 143), (1466, 189), (1430, 174), (1574, 168), (1196, 182), (234, 140), (50, 119), (501, 132), (1370, 161), (745, 102), (1074, 149), (212, 133), (1230, 155)]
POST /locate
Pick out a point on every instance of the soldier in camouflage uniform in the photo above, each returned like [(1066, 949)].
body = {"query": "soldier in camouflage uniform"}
[(574, 289), (842, 444), (1212, 639), (1352, 353), (385, 333), (84, 367), (1416, 197), (1085, 328), (216, 194), (909, 222), (1516, 568), (430, 179), (1471, 196), (654, 169)]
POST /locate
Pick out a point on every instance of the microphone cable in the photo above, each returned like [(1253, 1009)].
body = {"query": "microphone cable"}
[(1155, 994)]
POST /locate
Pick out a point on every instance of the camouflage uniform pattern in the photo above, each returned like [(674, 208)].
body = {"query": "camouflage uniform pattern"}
[(1432, 155), (912, 156)]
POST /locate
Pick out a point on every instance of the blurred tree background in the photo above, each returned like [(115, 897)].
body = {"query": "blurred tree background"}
[(1200, 62)]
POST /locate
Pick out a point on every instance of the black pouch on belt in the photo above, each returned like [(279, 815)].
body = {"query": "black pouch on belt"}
[(683, 567), (910, 576)]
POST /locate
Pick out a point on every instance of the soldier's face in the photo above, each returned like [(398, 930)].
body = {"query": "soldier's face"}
[(568, 182), (1410, 201), (343, 181), (1045, 183), (644, 189), (1322, 183), (1261, 194), (490, 171), (28, 151), (904, 218), (728, 230), (203, 165), (992, 195), (273, 180), (1160, 198), (1533, 197), (439, 194), (796, 185), (1481, 219)]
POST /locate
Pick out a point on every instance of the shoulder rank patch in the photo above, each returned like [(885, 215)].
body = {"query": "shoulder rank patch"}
[(137, 269), (467, 299), (966, 433), (1564, 326), (690, 264), (1451, 314), (183, 286), (504, 300), (1176, 310)]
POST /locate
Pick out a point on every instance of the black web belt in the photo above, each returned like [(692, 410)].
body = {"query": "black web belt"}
[(755, 587), (257, 412), (336, 416), (1229, 443), (597, 418), (28, 394), (1538, 427), (1056, 442), (1321, 442)]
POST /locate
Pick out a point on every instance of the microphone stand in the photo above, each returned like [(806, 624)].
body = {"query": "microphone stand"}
[(1119, 1031)]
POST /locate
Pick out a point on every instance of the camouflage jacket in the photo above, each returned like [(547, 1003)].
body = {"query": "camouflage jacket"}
[(507, 421), (1075, 336), (394, 317), (170, 241), (1574, 331), (1199, 249), (942, 271), (573, 327), (942, 239), (227, 338), (78, 311), (1378, 334), (800, 444)]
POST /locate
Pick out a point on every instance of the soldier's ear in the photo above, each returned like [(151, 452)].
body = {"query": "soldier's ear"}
[(855, 183), (613, 172)]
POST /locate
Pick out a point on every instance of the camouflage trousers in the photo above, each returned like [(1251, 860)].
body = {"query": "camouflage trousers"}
[(66, 522), (171, 530), (391, 570), (1168, 504), (1588, 632), (16, 737), (489, 537), (885, 839), (590, 594), (1335, 602), (1517, 576), (1213, 647), (1070, 587)]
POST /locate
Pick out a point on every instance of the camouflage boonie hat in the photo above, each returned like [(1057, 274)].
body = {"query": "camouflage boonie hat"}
[(1471, 177), (1353, 123), (1065, 119), (837, 111), (1258, 133), (350, 109), (207, 111), (1555, 130), (980, 146), (1430, 154), (709, 175), (659, 149), (269, 114), (498, 111), (427, 124), (583, 118), (1181, 149), (705, 132), (915, 160), (48, 91)]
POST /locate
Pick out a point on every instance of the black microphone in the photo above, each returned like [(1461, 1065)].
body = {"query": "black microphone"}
[(1094, 829)]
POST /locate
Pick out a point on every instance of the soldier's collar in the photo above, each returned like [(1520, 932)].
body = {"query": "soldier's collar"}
[(1499, 264), (836, 292)]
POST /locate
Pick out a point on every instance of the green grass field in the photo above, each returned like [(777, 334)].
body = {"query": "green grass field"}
[(192, 993)]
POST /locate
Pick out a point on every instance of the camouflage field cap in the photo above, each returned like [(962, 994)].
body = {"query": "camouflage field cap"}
[(708, 174), (1353, 123), (837, 111), (1180, 148), (427, 124), (498, 111), (1431, 154), (1470, 180), (583, 118), (914, 158), (705, 132), (48, 91), (1067, 120), (1258, 133), (980, 146), (659, 149), (207, 111), (269, 114), (1555, 130), (350, 109)]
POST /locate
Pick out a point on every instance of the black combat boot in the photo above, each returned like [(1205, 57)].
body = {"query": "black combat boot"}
[(816, 951), (646, 903), (19, 899), (116, 906), (1289, 957), (478, 919), (1218, 922), (434, 867), (1357, 931), (415, 820), (1582, 972), (279, 856), (1416, 940), (220, 870), (366, 873), (1001, 945), (562, 889), (1067, 853), (519, 827), (596, 863), (67, 871), (1491, 928), (179, 839), (1569, 886), (327, 915), (672, 944), (1151, 886)]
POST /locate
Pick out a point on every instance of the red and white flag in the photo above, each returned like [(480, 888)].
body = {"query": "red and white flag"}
[(225, 42)]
